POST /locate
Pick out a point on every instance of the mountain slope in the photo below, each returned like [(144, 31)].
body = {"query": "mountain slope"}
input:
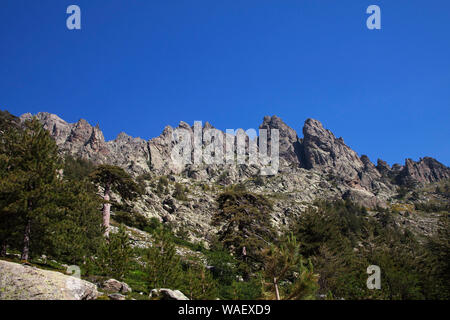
[(317, 166)]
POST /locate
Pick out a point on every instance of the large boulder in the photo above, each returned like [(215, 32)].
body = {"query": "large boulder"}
[(113, 285), (22, 282), (117, 296), (363, 198), (168, 294)]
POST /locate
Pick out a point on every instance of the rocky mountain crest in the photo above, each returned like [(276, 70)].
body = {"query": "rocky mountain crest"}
[(319, 151)]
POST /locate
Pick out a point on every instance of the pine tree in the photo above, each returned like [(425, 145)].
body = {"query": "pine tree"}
[(163, 264), (33, 164), (113, 179), (59, 216), (245, 223), (76, 233), (198, 283), (10, 185), (9, 221), (77, 169), (8, 121), (439, 259), (115, 255), (286, 275)]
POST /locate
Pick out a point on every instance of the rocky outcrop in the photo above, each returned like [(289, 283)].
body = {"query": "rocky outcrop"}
[(289, 143), (322, 150), (22, 282), (363, 198), (80, 139), (383, 168), (425, 170), (113, 285), (319, 149)]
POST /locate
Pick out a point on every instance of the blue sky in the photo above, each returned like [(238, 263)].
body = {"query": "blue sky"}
[(137, 66)]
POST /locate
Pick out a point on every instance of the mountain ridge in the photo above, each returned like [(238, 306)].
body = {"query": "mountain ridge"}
[(318, 149), (318, 166)]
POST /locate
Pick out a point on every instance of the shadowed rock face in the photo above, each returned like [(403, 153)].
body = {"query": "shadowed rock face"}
[(383, 167), (426, 170), (323, 150), (289, 143)]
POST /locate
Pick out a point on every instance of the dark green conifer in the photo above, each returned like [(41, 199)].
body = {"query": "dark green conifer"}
[(113, 179)]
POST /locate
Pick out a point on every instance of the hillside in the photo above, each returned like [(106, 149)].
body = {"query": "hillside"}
[(222, 230)]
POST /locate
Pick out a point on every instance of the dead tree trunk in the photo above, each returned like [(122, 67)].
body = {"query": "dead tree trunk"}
[(276, 288), (107, 209)]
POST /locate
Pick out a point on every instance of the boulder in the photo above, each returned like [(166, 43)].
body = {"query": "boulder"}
[(169, 205), (125, 288), (363, 198), (23, 282), (168, 294), (117, 296), (113, 285)]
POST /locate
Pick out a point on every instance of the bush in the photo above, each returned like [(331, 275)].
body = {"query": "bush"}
[(137, 220), (223, 178), (250, 290), (258, 180), (180, 192), (163, 183), (432, 206)]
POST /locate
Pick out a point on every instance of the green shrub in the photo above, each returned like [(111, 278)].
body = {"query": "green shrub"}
[(162, 187), (250, 290), (180, 192)]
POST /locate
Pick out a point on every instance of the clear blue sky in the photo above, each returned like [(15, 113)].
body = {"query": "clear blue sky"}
[(138, 65)]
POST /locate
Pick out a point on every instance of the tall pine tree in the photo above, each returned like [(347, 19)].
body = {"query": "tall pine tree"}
[(113, 179), (286, 275), (31, 167), (245, 226)]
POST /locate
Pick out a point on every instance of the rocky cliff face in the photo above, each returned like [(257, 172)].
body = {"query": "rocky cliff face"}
[(425, 170), (324, 151), (80, 139), (318, 156), (290, 146)]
